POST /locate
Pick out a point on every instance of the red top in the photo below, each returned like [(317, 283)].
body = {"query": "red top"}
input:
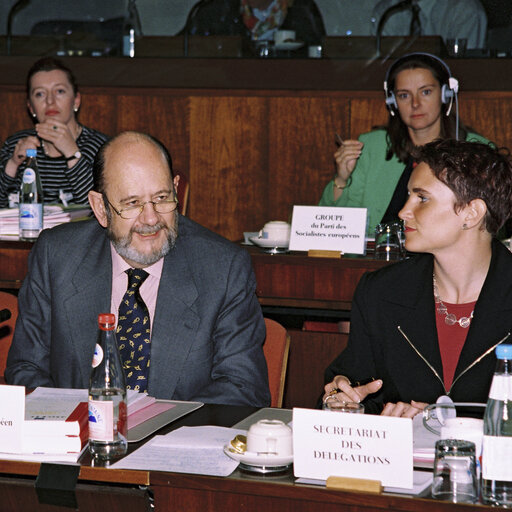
[(452, 338)]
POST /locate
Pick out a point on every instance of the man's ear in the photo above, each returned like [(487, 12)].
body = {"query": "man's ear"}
[(98, 207)]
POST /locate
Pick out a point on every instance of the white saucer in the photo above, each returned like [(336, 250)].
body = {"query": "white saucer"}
[(253, 459), (289, 45), (267, 243)]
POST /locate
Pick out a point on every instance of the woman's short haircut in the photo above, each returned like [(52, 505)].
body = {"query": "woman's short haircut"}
[(473, 170), (50, 64)]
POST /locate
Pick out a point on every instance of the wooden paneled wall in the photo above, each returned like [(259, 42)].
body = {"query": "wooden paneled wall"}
[(250, 154)]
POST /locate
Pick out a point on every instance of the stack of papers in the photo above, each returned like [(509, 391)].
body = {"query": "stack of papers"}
[(53, 216), (55, 428), (196, 450)]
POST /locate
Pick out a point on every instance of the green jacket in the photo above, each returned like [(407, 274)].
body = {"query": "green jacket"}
[(374, 179)]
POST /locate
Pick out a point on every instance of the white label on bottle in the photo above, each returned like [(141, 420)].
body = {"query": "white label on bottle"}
[(101, 420), (98, 356), (29, 176), (31, 216), (501, 388), (496, 457)]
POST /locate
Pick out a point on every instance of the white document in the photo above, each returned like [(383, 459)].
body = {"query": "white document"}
[(196, 450), (328, 228), (365, 446)]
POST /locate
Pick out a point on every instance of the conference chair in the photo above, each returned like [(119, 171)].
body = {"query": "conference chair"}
[(276, 349), (10, 302)]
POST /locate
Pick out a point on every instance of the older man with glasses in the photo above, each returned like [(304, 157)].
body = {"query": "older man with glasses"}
[(201, 329)]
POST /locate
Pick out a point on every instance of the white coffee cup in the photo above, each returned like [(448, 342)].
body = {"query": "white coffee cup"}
[(467, 429), (270, 437), (276, 230), (284, 36)]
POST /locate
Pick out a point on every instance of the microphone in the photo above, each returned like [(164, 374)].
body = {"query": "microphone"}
[(5, 314), (12, 11), (400, 6)]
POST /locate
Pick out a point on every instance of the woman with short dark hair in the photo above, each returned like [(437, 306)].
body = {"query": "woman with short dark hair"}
[(428, 326)]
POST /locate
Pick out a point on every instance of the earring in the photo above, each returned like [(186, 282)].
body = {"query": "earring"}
[(464, 226), (33, 114), (75, 109)]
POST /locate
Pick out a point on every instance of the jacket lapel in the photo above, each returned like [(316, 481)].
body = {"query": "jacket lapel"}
[(88, 293), (175, 324), (415, 310)]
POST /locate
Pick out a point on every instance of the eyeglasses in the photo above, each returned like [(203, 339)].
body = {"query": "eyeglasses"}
[(131, 212)]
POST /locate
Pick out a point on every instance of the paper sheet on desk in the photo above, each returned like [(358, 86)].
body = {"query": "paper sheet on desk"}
[(53, 216), (195, 450)]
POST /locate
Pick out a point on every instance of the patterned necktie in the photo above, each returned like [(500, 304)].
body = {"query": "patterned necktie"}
[(133, 332)]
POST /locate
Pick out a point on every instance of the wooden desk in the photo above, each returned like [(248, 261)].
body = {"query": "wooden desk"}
[(294, 280), (99, 488), (13, 263)]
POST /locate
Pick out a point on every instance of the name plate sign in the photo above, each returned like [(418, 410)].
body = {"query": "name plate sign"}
[(327, 443), (328, 228), (12, 416)]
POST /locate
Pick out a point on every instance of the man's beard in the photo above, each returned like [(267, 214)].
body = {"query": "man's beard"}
[(123, 246)]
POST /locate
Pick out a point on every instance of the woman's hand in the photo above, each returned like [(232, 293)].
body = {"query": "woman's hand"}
[(59, 135), (346, 157), (20, 154), (342, 390), (403, 410)]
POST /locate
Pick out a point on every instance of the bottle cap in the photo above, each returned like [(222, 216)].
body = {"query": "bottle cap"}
[(106, 321), (31, 152), (504, 351)]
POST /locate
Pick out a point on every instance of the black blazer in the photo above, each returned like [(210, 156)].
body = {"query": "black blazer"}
[(393, 334)]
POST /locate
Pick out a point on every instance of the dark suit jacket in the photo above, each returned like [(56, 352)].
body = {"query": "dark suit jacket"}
[(397, 302), (206, 336)]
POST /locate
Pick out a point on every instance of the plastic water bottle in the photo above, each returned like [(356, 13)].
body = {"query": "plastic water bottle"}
[(497, 444), (31, 200), (108, 425)]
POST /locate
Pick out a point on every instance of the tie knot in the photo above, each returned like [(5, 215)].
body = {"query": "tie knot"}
[(136, 276)]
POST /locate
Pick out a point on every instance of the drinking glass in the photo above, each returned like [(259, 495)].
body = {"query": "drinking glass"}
[(388, 241), (331, 404), (455, 471)]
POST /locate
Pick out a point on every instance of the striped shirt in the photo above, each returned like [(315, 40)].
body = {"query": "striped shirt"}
[(54, 173)]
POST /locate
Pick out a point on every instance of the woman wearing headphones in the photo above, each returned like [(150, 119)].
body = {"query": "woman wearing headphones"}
[(373, 172)]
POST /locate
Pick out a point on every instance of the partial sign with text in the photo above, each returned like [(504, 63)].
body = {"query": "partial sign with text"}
[(327, 443), (328, 228)]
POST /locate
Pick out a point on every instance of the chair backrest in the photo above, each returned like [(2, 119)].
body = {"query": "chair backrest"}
[(183, 193), (10, 302), (276, 348)]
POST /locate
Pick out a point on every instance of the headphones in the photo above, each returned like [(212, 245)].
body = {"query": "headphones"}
[(449, 89)]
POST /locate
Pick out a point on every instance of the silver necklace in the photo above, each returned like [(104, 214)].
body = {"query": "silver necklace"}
[(450, 318)]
